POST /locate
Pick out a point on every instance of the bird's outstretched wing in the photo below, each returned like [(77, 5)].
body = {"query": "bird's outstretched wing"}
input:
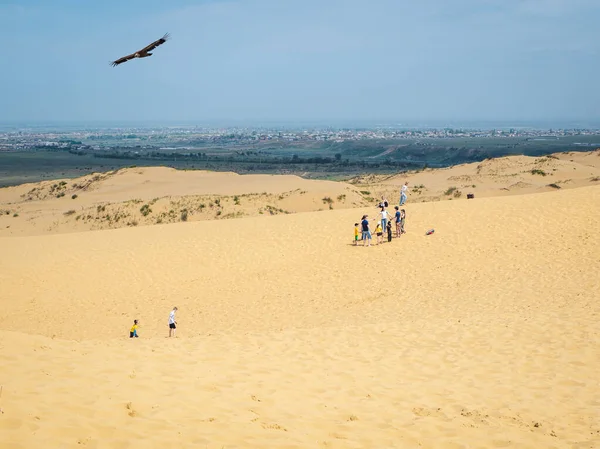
[(122, 60), (156, 43)]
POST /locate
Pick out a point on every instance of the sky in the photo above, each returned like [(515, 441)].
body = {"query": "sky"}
[(310, 60)]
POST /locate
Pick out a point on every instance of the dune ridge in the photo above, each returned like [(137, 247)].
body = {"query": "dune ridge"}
[(156, 195)]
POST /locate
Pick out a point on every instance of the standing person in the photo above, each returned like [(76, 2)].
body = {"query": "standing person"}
[(402, 220), (356, 234), (389, 231), (398, 220), (379, 232), (133, 330), (366, 232), (384, 217), (172, 322), (403, 193)]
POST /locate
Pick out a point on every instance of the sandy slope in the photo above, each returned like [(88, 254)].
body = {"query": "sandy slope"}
[(513, 175), (483, 335), (147, 196), (115, 199)]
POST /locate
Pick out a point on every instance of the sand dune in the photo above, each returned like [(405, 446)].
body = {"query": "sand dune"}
[(513, 175), (117, 199), (484, 334), (147, 196)]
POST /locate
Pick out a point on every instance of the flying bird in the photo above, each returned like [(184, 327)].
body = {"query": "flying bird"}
[(143, 53)]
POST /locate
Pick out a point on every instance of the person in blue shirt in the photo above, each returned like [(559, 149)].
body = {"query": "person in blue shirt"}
[(366, 232), (398, 217)]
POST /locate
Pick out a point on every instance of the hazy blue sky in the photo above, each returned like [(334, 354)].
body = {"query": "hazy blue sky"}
[(301, 59)]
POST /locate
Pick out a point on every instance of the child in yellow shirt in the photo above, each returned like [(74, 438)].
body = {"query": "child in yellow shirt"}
[(133, 330), (379, 232), (356, 234)]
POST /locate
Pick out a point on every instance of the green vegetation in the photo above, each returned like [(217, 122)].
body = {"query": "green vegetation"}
[(236, 200), (537, 171), (327, 200), (145, 210), (450, 191), (554, 185), (341, 197), (69, 212), (274, 210), (237, 214), (324, 159), (184, 215), (74, 196)]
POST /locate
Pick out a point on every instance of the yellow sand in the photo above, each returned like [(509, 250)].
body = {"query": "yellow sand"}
[(512, 175), (115, 199), (483, 335)]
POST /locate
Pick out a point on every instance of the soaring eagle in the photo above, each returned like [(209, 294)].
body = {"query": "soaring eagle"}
[(143, 53)]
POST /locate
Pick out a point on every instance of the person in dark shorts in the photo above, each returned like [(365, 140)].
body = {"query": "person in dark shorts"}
[(389, 230), (172, 322)]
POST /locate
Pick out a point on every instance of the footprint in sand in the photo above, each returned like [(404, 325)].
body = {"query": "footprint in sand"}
[(425, 411), (131, 412), (273, 426)]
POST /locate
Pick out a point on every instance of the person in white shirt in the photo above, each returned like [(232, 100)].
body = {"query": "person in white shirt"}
[(403, 193), (384, 217), (172, 322)]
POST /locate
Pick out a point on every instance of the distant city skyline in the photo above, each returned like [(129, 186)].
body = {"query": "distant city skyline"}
[(432, 63)]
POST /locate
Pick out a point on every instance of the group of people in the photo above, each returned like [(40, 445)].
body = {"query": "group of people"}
[(382, 222), (133, 332)]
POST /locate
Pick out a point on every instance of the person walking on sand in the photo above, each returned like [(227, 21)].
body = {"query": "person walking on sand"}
[(366, 232), (389, 231), (403, 193), (356, 234), (172, 322)]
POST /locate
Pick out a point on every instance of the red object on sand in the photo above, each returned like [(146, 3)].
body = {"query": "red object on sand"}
[(431, 231)]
